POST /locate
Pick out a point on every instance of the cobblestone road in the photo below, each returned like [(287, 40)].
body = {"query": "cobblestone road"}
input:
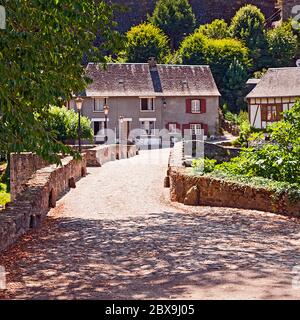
[(116, 236)]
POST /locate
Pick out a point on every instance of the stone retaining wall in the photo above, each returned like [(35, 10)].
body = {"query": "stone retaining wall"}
[(38, 195), (201, 190), (219, 152), (99, 155)]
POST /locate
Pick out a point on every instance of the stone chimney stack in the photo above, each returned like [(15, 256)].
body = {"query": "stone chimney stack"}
[(152, 64)]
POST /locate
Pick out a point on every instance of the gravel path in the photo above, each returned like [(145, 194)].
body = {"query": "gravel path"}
[(116, 236)]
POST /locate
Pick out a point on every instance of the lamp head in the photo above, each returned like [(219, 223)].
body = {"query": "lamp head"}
[(79, 103), (106, 110)]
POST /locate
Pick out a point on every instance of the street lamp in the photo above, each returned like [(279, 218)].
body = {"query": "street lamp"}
[(79, 103), (120, 133), (106, 111)]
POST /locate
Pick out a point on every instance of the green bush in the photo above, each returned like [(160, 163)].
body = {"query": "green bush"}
[(282, 45), (278, 160), (63, 124), (218, 54), (175, 18), (145, 41), (218, 29), (204, 165)]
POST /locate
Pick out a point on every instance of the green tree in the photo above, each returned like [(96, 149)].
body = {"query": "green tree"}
[(175, 18), (144, 41), (218, 29), (41, 52), (248, 25), (63, 123), (282, 45), (234, 84), (218, 54)]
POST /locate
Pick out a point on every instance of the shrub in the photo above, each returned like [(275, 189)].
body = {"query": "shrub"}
[(218, 29), (64, 124), (282, 45), (219, 54), (204, 165), (145, 41)]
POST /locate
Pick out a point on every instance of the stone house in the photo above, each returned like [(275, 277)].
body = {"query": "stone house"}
[(275, 93), (151, 97)]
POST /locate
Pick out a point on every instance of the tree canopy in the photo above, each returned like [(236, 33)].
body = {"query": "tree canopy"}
[(41, 52), (175, 18), (145, 41)]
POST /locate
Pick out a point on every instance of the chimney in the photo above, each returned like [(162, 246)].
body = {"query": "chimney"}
[(152, 64)]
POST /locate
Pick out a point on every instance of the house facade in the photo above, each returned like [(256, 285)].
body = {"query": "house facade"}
[(275, 93), (151, 97)]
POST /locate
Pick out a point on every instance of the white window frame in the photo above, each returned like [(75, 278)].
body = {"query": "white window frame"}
[(98, 99), (152, 133), (195, 128), (174, 129), (193, 101), (148, 99)]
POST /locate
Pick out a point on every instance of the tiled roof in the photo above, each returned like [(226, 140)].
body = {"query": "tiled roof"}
[(118, 80), (278, 82)]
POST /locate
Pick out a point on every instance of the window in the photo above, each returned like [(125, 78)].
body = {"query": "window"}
[(99, 128), (147, 104), (172, 127), (195, 129), (99, 103), (271, 113), (196, 106), (148, 126)]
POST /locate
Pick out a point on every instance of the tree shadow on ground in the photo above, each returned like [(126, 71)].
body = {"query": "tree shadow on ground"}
[(150, 257)]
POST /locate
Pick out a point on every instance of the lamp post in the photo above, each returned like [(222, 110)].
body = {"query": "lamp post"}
[(106, 111), (121, 124), (79, 102)]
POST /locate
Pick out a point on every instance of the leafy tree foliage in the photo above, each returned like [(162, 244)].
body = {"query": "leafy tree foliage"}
[(218, 29), (63, 123), (41, 54), (175, 18), (144, 41), (278, 160), (234, 84), (218, 54), (248, 25), (283, 46)]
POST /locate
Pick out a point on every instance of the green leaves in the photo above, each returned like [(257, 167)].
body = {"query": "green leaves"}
[(145, 41), (41, 57)]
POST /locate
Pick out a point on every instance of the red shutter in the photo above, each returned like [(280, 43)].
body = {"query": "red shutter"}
[(205, 128), (167, 125), (185, 127), (188, 106), (203, 105), (178, 126)]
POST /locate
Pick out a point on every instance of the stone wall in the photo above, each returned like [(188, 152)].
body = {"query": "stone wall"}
[(219, 152), (206, 191), (22, 167), (38, 195), (99, 155)]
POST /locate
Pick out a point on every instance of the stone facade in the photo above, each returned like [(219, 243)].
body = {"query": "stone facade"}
[(287, 6), (34, 199), (220, 193)]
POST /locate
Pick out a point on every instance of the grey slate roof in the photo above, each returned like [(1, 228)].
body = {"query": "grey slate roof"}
[(278, 82), (136, 79)]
